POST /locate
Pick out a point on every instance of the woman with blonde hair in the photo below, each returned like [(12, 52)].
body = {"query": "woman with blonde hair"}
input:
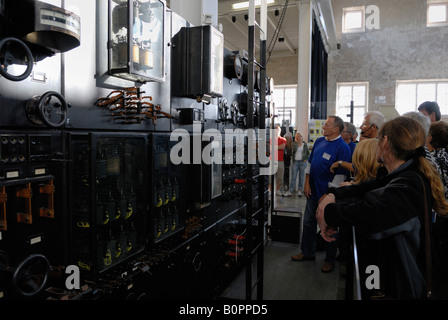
[(300, 155), (364, 162), (395, 210)]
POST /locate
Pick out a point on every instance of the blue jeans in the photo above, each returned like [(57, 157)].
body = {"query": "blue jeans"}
[(297, 168), (309, 235)]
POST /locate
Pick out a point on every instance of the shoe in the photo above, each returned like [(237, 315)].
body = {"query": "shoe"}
[(327, 267), (301, 257), (279, 193), (287, 193), (300, 194)]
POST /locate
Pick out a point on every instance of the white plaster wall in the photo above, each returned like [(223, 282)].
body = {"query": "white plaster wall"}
[(402, 49)]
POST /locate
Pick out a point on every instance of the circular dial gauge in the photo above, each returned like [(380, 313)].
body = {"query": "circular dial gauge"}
[(238, 64), (234, 66)]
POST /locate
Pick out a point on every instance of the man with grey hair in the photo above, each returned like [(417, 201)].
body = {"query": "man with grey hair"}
[(373, 121)]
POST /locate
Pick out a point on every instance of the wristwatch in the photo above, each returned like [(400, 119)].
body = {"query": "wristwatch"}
[(339, 163)]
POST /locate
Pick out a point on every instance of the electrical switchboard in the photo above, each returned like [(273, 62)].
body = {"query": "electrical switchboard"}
[(92, 175)]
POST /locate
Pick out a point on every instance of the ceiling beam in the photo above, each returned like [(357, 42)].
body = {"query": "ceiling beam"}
[(288, 42)]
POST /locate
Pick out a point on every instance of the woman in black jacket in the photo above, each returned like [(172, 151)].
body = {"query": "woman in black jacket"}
[(391, 209)]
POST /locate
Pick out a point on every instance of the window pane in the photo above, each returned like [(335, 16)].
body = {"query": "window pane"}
[(344, 95), (442, 97), (405, 101), (290, 97), (410, 95), (278, 97), (353, 20), (356, 92), (359, 95), (437, 13), (343, 112), (358, 117), (426, 92)]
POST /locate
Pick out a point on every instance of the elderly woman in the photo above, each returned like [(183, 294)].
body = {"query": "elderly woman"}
[(391, 209)]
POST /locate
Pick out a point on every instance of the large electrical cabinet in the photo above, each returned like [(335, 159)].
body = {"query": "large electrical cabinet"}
[(108, 194), (168, 187), (102, 157)]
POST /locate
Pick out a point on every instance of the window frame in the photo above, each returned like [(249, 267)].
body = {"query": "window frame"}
[(283, 110), (418, 82), (364, 108), (440, 23), (362, 10)]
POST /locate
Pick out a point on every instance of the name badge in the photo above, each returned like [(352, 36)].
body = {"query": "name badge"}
[(326, 156)]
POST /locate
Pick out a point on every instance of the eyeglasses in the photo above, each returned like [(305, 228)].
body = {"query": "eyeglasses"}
[(368, 125)]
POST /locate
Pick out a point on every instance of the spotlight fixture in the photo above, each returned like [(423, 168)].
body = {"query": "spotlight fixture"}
[(246, 17), (233, 19), (276, 12)]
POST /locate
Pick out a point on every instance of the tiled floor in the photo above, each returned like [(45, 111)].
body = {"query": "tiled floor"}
[(285, 279)]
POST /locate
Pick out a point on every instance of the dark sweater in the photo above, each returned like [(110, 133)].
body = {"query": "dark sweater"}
[(389, 210)]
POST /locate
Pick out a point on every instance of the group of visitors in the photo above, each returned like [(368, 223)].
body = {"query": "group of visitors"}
[(391, 187)]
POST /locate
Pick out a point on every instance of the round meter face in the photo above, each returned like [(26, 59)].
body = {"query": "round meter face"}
[(238, 64)]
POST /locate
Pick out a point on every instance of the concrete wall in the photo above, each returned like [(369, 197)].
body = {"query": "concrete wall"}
[(283, 70), (403, 48)]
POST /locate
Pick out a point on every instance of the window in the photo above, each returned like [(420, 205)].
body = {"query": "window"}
[(437, 14), (356, 92), (353, 19), (285, 98), (410, 94)]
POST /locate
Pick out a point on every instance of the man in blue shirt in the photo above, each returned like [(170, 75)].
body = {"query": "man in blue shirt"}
[(326, 150)]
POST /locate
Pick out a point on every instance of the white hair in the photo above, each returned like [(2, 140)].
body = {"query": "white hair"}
[(376, 118), (420, 118)]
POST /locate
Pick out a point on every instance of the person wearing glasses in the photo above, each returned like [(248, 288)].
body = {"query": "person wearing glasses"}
[(392, 211), (371, 125)]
